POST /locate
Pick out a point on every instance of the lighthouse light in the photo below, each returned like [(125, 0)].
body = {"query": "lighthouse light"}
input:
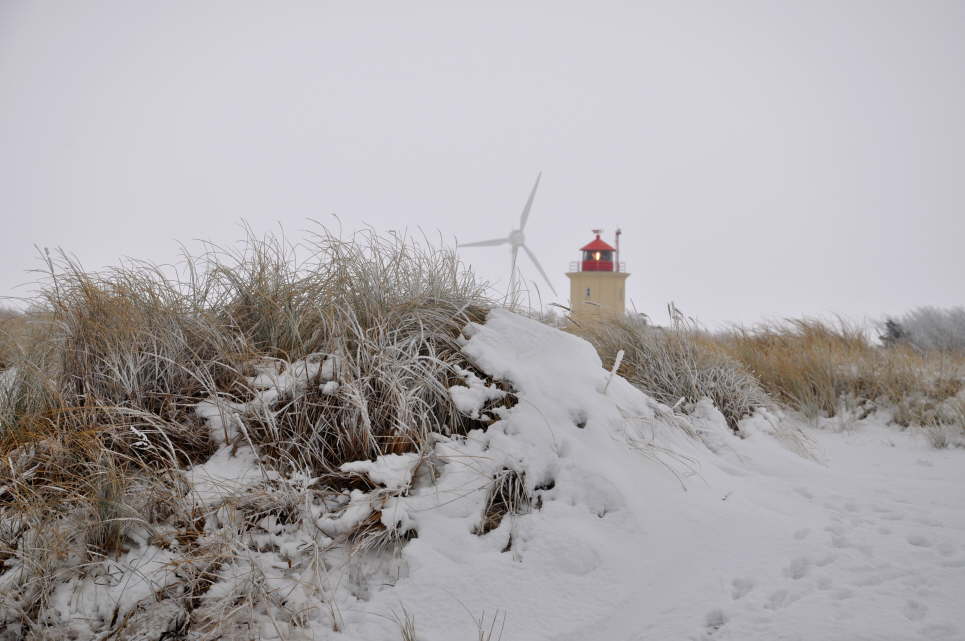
[(596, 255)]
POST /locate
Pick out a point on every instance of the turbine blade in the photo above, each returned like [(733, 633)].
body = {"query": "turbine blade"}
[(532, 257), (529, 203), (485, 243)]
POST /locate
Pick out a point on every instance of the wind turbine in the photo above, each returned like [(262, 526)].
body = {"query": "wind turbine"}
[(516, 239)]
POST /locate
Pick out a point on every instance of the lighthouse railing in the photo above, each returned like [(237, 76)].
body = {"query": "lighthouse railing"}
[(577, 266)]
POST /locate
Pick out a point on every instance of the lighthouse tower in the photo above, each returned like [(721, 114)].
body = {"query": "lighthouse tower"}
[(598, 281)]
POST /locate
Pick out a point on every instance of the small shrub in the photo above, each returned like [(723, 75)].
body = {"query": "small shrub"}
[(892, 333)]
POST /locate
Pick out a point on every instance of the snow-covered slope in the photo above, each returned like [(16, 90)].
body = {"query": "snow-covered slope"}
[(648, 533), (641, 524)]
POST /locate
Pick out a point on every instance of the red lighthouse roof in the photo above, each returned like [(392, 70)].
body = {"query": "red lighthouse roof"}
[(597, 245)]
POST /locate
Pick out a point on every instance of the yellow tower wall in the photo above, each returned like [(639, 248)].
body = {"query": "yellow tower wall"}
[(607, 295)]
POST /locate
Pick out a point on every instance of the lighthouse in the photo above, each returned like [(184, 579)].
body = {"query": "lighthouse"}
[(598, 281)]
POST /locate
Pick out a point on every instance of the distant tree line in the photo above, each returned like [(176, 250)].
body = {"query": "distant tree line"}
[(927, 329)]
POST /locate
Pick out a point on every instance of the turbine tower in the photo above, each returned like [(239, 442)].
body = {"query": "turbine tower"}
[(516, 239)]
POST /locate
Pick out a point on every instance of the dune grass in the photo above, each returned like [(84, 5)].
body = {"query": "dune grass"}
[(817, 368), (13, 334), (99, 408), (140, 341), (821, 368)]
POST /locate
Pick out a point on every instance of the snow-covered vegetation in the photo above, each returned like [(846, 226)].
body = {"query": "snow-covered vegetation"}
[(364, 446), (678, 365), (930, 329), (815, 368)]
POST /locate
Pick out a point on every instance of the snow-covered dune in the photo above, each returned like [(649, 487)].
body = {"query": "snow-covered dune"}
[(648, 533), (619, 519)]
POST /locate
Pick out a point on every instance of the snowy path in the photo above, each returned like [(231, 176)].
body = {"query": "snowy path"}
[(870, 546), (867, 545)]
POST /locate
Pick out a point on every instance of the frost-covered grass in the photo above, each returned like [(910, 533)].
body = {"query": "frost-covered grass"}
[(677, 365), (931, 329), (816, 368), (386, 312), (118, 411), (12, 335)]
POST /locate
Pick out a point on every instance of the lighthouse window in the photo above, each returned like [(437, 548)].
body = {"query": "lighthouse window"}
[(587, 292)]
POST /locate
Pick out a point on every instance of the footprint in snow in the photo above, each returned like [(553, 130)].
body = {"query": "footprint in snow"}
[(918, 541), (945, 549), (840, 541), (802, 534), (777, 600), (799, 568), (879, 575), (715, 620), (741, 587), (940, 631), (914, 611)]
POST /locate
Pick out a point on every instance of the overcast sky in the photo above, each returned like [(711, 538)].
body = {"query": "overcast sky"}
[(764, 159)]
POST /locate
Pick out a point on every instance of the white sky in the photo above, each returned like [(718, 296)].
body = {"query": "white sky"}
[(764, 159)]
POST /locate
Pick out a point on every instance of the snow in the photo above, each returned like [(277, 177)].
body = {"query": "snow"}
[(222, 418), (359, 508), (644, 524), (225, 473), (648, 533), (278, 377), (119, 586), (471, 397), (393, 471)]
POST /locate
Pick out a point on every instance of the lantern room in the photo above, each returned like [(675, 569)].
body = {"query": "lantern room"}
[(597, 255)]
